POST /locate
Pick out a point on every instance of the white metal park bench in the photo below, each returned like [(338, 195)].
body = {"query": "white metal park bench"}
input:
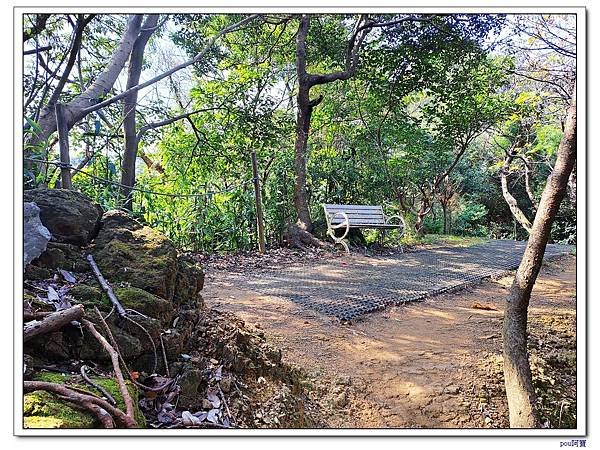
[(359, 216)]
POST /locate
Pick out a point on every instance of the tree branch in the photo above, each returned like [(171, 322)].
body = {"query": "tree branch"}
[(163, 75)]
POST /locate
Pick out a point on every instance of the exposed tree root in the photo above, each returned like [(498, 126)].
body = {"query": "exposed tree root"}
[(97, 406), (115, 362), (296, 237)]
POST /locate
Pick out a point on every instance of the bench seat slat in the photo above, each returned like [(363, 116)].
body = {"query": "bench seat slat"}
[(386, 226), (358, 219), (355, 217)]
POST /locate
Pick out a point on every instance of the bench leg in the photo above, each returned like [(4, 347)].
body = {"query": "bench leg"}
[(382, 237), (341, 241)]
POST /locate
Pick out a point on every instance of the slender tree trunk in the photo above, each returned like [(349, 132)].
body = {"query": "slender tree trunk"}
[(517, 373), (129, 109), (445, 214), (302, 128), (510, 200), (423, 211), (528, 184)]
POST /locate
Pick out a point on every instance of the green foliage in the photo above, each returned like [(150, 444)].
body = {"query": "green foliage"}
[(471, 220), (426, 90)]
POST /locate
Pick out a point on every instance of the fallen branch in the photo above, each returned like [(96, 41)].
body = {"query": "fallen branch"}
[(82, 400), (164, 355), (115, 362), (106, 286), (38, 315), (52, 322), (101, 414)]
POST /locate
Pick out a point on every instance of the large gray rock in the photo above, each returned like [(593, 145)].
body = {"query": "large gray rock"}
[(69, 215), (35, 234)]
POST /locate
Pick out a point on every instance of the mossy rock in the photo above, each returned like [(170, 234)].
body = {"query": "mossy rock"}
[(146, 303), (127, 252), (189, 282), (90, 296), (42, 409)]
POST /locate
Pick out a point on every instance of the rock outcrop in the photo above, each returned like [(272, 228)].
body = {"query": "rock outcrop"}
[(70, 216), (128, 252), (149, 276)]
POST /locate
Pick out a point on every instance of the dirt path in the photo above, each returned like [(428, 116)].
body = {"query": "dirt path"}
[(429, 364)]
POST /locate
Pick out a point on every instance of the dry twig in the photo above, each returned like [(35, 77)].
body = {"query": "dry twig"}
[(115, 362), (106, 286), (95, 385)]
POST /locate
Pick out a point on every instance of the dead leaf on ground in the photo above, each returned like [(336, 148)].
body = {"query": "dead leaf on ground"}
[(68, 276), (211, 416)]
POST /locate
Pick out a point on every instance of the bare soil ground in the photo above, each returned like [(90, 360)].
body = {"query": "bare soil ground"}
[(432, 364)]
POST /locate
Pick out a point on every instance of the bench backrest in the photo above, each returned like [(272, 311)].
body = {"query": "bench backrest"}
[(358, 215)]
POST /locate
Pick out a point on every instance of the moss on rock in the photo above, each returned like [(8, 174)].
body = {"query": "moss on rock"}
[(45, 410), (137, 255), (90, 296), (146, 303)]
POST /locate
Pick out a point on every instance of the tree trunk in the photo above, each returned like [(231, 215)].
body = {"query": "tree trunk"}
[(423, 211), (302, 127), (517, 373), (305, 105), (129, 110), (98, 89), (510, 200), (445, 213), (528, 188)]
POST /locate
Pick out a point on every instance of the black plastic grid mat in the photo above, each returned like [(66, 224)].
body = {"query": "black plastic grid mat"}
[(348, 288)]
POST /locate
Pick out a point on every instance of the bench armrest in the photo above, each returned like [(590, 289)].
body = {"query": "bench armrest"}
[(345, 223), (401, 224)]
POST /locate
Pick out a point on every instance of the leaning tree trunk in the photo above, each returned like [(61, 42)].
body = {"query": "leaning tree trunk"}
[(516, 211), (97, 90), (129, 109), (517, 373)]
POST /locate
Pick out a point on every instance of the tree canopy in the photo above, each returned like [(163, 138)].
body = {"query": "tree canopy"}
[(452, 120)]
